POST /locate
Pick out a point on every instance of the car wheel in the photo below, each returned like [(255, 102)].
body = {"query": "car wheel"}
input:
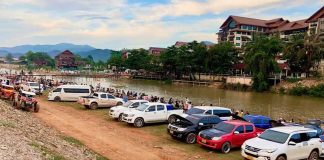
[(57, 99), (93, 105), (36, 108), (226, 147), (281, 158), (191, 138), (86, 106), (313, 155), (139, 122), (120, 117), (172, 119)]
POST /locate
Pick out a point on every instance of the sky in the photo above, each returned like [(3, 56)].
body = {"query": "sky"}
[(118, 24)]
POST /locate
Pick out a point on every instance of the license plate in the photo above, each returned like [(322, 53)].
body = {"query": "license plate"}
[(171, 131), (203, 141)]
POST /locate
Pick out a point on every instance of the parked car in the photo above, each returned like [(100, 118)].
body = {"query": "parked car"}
[(26, 101), (259, 121), (322, 140), (151, 113), (32, 87), (117, 112), (223, 113), (282, 143), (69, 93), (7, 92), (99, 100), (227, 135), (188, 128)]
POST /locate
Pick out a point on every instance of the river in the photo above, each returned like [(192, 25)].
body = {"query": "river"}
[(273, 105)]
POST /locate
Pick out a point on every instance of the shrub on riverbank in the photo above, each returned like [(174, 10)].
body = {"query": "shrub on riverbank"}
[(316, 91), (236, 87)]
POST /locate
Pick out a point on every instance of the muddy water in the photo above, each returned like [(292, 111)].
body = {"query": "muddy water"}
[(274, 105)]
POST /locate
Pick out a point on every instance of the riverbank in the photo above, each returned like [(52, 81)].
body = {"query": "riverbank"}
[(25, 137)]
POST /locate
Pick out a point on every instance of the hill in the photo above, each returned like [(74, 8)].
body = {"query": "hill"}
[(97, 54)]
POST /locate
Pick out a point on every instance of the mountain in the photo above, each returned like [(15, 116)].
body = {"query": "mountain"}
[(48, 48), (207, 43), (97, 54)]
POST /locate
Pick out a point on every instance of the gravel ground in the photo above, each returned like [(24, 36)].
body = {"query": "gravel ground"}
[(25, 137)]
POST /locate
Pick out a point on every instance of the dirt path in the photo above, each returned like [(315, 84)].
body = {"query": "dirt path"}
[(108, 139)]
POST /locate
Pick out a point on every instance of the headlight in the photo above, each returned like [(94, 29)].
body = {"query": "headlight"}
[(181, 129), (131, 115), (268, 150), (216, 138)]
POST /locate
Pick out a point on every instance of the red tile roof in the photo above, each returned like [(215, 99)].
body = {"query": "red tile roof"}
[(294, 25), (316, 16)]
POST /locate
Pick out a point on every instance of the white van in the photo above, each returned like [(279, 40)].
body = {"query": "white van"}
[(69, 93)]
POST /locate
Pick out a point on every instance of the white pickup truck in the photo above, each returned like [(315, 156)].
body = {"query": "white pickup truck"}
[(100, 99), (151, 113), (117, 112)]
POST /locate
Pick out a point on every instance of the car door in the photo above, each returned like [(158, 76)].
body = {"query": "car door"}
[(103, 100), (238, 136), (160, 113), (294, 151), (150, 114), (111, 101), (249, 132)]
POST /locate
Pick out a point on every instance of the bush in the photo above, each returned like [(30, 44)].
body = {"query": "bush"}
[(317, 91), (292, 80), (282, 90), (298, 91)]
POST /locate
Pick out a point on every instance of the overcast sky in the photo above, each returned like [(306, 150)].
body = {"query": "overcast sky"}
[(117, 24)]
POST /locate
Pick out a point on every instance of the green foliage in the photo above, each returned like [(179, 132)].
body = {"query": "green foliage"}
[(298, 90), (116, 59), (316, 91), (260, 59), (292, 80), (72, 141), (38, 60), (139, 59), (282, 90)]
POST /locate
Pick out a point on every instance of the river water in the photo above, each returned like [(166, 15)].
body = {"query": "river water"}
[(273, 105)]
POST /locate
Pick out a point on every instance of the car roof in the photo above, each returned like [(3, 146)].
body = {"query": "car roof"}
[(155, 103), (256, 116), (238, 122), (138, 100), (203, 115), (291, 129), (74, 86), (28, 93), (211, 107)]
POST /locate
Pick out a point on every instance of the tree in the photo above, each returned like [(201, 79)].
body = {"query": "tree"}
[(38, 60), (138, 59), (116, 60), (9, 58), (260, 59)]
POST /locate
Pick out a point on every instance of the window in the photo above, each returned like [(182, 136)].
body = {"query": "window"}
[(244, 27), (248, 128), (238, 32), (222, 113), (238, 38), (160, 108), (103, 96), (304, 137), (76, 90), (232, 24), (151, 109), (238, 44), (260, 29), (209, 112), (312, 135), (240, 129), (57, 90), (135, 105), (254, 28), (111, 96), (249, 27), (295, 138)]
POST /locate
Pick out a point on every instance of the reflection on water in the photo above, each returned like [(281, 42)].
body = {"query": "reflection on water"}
[(274, 105)]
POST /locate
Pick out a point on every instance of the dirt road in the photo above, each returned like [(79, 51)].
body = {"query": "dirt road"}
[(110, 139)]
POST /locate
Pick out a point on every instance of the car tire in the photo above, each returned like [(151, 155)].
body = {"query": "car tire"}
[(191, 138), (86, 107), (226, 147), (313, 155), (172, 119), (139, 122), (57, 99), (281, 157), (93, 106), (120, 117), (36, 108)]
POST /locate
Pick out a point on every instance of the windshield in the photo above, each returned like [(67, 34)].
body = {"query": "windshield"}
[(95, 94), (274, 136), (142, 107), (195, 111), (224, 127), (127, 103), (34, 84)]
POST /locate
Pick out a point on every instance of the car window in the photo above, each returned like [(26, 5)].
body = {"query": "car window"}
[(248, 128), (295, 138), (151, 109), (312, 135), (103, 96), (209, 112), (222, 113), (160, 108), (240, 129), (304, 137), (135, 105), (57, 90), (110, 96)]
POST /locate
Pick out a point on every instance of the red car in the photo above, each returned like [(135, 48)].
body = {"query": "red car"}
[(227, 135)]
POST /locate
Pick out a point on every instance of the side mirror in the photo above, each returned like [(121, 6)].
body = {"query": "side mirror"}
[(147, 110), (236, 132), (291, 143), (200, 124)]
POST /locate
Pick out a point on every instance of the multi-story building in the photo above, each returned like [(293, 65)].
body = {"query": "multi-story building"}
[(156, 51), (65, 60), (239, 30)]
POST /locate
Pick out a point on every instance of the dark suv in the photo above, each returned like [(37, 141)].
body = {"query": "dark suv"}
[(187, 128)]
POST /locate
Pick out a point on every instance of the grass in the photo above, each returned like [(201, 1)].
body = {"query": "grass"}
[(49, 154), (72, 141), (7, 124)]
